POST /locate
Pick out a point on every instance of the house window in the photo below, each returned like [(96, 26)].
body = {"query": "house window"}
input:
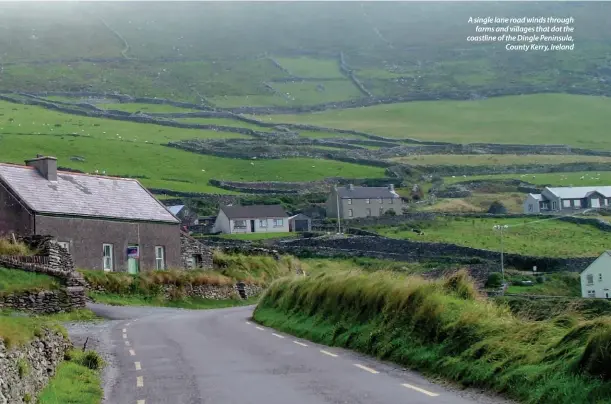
[(600, 277), (381, 200), (530, 207), (262, 222), (107, 257), (566, 203), (590, 279), (591, 293), (367, 200), (159, 258), (239, 224), (368, 212), (554, 205), (381, 211), (349, 201), (349, 212), (65, 244), (278, 222)]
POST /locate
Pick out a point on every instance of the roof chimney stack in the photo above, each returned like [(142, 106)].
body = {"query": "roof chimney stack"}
[(351, 187), (46, 166), (391, 187)]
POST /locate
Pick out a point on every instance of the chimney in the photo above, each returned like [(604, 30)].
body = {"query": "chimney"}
[(391, 187), (351, 187), (46, 166)]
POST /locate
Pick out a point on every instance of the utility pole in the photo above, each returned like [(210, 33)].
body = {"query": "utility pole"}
[(339, 226), (502, 228)]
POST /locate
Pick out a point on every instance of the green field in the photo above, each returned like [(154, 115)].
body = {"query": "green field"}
[(307, 92), (495, 159), (590, 178), (135, 107), (310, 67), (551, 238), (15, 281), (528, 119)]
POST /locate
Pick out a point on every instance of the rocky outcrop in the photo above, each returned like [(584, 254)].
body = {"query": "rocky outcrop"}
[(26, 370)]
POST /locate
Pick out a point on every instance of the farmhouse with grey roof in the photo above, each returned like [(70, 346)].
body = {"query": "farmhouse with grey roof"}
[(553, 199), (251, 219), (354, 202), (106, 223)]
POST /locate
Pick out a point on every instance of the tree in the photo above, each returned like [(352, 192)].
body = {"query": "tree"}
[(390, 212), (495, 280), (497, 208)]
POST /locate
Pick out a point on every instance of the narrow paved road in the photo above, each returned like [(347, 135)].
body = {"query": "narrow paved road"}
[(222, 357)]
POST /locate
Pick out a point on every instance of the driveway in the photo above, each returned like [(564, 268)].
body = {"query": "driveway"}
[(174, 356)]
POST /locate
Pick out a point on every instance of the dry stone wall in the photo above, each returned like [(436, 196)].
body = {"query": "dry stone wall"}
[(47, 301), (26, 370)]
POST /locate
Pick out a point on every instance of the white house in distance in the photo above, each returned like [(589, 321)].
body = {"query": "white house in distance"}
[(567, 199), (596, 279), (251, 219)]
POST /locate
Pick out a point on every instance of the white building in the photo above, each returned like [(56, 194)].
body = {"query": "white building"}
[(251, 219), (567, 199), (596, 279)]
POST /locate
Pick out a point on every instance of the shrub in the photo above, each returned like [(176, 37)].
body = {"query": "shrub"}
[(495, 280), (497, 208), (90, 359)]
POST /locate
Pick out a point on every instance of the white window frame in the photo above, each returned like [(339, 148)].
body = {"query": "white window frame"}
[(350, 213), (263, 223), (367, 200), (381, 211), (566, 203), (590, 279), (278, 222), (65, 244), (554, 205), (381, 200), (591, 293), (368, 211), (237, 225), (111, 259), (349, 201), (160, 258)]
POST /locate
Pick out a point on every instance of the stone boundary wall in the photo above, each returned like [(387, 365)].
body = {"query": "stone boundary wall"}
[(46, 302), (416, 251), (190, 246), (348, 72), (39, 358), (215, 292)]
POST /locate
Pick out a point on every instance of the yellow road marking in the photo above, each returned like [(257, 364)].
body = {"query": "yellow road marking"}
[(328, 353), (138, 367), (132, 353), (277, 335), (423, 391), (299, 343), (370, 370)]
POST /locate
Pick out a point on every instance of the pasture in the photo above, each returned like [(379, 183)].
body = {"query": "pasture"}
[(495, 159), (575, 179)]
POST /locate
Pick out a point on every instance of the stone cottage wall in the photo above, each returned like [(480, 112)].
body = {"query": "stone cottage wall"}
[(189, 247), (37, 360)]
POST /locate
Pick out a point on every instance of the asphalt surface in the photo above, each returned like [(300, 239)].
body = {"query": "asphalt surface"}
[(160, 355)]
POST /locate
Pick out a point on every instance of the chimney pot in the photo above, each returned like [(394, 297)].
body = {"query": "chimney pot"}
[(45, 165)]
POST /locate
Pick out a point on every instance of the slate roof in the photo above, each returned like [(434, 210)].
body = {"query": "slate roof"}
[(175, 209), (579, 192), (299, 216), (536, 196), (366, 192), (254, 211), (77, 194)]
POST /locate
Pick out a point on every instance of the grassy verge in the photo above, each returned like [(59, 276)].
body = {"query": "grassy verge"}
[(15, 281), (77, 380), (444, 329), (158, 301)]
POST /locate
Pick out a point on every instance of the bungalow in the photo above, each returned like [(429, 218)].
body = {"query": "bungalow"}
[(106, 223), (354, 202), (251, 219), (596, 279), (567, 199)]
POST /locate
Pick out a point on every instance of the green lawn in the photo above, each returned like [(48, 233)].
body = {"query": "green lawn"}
[(557, 284), (234, 101), (310, 67), (15, 280), (551, 238), (579, 121), (494, 159), (590, 178)]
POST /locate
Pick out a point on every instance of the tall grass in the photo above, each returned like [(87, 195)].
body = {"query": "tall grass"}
[(255, 269), (8, 247), (445, 328)]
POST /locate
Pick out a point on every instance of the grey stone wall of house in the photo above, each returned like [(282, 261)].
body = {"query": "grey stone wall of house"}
[(47, 301), (194, 254), (26, 370)]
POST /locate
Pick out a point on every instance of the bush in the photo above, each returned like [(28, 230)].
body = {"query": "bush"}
[(90, 359), (497, 208), (495, 280)]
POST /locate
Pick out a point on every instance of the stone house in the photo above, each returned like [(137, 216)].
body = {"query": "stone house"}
[(251, 219), (559, 199), (106, 223), (596, 278), (354, 202), (300, 222), (184, 214)]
